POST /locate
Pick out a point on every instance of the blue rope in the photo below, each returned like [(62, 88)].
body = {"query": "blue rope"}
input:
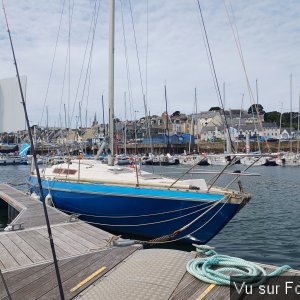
[(216, 268)]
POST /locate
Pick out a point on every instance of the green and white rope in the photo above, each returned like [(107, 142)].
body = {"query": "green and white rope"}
[(228, 270)]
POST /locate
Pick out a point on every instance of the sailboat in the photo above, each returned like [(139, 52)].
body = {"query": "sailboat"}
[(129, 200), (290, 158)]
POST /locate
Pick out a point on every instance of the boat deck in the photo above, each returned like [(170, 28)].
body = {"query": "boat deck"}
[(90, 267)]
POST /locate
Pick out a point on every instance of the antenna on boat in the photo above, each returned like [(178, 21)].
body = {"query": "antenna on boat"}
[(35, 163), (111, 79)]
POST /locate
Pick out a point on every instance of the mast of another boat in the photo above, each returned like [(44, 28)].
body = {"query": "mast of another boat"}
[(194, 113), (298, 135), (125, 127), (103, 119), (228, 148), (167, 121), (111, 79), (239, 126), (257, 114), (291, 112), (33, 151), (280, 121)]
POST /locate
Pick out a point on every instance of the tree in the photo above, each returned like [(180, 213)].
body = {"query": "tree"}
[(272, 116), (215, 108), (286, 119), (254, 107), (175, 113)]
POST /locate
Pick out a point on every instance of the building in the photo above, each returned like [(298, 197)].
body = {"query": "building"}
[(12, 116)]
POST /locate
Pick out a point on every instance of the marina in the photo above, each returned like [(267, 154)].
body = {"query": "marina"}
[(248, 235), (115, 185), (90, 265)]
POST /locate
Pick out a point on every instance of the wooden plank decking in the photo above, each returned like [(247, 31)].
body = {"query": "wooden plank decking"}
[(26, 258), (31, 212), (39, 281), (90, 267)]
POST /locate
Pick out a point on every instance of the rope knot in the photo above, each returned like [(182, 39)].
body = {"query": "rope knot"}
[(205, 249), (214, 260)]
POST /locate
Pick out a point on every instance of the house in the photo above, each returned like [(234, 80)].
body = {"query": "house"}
[(270, 130), (288, 133), (211, 133), (208, 118)]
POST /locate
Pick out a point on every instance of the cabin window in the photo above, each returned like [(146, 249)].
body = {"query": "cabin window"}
[(64, 171)]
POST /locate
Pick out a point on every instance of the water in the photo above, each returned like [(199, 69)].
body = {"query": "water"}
[(265, 230), (14, 175)]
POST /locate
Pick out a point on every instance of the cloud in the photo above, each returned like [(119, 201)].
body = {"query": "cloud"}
[(268, 30)]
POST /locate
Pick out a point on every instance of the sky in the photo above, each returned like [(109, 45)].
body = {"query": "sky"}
[(164, 46)]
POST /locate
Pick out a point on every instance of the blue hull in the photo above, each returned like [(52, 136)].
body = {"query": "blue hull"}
[(150, 213)]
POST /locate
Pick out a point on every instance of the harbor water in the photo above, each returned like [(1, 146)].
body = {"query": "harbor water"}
[(266, 230)]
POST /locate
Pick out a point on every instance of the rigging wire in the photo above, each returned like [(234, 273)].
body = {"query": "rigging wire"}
[(62, 94), (69, 64), (207, 55), (130, 94), (147, 51), (91, 56), (213, 180), (94, 20), (136, 48), (69, 58), (147, 116), (135, 216), (61, 103), (214, 73), (208, 208), (63, 85), (138, 59), (53, 59), (71, 12), (52, 246), (235, 33), (87, 81), (164, 240)]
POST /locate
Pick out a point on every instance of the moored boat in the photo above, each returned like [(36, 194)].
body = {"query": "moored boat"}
[(8, 148), (6, 160), (150, 206), (130, 200)]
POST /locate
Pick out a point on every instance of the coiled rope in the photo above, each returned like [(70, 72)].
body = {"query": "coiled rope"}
[(228, 270)]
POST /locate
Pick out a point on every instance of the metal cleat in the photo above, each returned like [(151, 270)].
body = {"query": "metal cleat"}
[(74, 218), (204, 247), (14, 227)]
